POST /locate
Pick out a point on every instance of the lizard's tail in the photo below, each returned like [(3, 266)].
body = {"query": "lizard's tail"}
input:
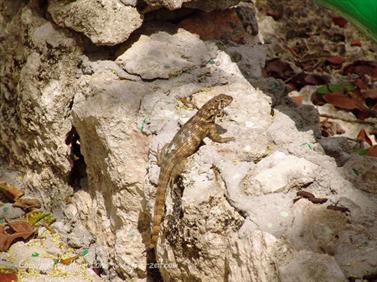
[(159, 206), (158, 212)]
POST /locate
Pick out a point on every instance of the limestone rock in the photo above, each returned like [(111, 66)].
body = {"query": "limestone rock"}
[(7, 211), (38, 84), (312, 267), (80, 237), (110, 139), (205, 5), (362, 172), (162, 55), (255, 257), (105, 22), (280, 172)]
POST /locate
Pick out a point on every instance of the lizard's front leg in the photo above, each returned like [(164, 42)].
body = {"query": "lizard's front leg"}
[(214, 134)]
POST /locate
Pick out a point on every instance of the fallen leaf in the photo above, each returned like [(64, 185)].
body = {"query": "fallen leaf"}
[(336, 87), (362, 67), (318, 200), (297, 99), (356, 42), (12, 231), (363, 136), (278, 69), (26, 203), (370, 93), (11, 192), (276, 13), (305, 194), (8, 275), (339, 21), (361, 152), (341, 101), (309, 196), (361, 84), (69, 260), (39, 218), (302, 79), (330, 128), (372, 151), (338, 208), (335, 60)]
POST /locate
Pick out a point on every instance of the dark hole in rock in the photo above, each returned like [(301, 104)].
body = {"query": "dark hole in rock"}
[(78, 170)]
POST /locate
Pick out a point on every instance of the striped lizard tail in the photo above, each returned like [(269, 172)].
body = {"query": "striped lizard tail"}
[(166, 175)]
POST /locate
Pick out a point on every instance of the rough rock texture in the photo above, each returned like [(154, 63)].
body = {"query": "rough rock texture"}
[(37, 86), (233, 213), (316, 267), (280, 172), (207, 6), (105, 22), (257, 250), (162, 55)]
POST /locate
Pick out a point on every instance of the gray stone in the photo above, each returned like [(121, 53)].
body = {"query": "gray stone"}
[(255, 257), (105, 22), (163, 55), (362, 172), (80, 237), (312, 267), (338, 148), (7, 211), (280, 172), (206, 5)]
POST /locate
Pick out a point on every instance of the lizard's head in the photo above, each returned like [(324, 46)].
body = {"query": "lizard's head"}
[(213, 108)]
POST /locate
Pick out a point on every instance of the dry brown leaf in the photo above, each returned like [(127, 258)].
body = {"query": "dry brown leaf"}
[(370, 93), (297, 99), (362, 67), (361, 84), (278, 69), (356, 42), (12, 231), (363, 136), (27, 203), (11, 192), (8, 275), (67, 261), (339, 21), (341, 101), (330, 128), (335, 60), (372, 151)]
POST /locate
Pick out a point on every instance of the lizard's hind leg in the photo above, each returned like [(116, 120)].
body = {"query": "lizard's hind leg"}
[(159, 154)]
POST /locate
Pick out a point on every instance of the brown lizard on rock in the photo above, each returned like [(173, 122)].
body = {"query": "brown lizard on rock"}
[(186, 142)]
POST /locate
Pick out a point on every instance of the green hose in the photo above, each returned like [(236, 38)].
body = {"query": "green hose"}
[(362, 13)]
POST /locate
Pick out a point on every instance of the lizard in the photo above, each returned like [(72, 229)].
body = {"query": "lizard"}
[(171, 158)]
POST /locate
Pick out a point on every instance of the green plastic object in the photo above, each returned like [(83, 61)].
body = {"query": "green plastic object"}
[(362, 13)]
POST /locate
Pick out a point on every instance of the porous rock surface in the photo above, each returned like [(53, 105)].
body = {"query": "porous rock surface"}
[(233, 214), (105, 22)]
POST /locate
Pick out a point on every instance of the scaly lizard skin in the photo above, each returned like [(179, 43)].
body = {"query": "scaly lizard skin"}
[(186, 142)]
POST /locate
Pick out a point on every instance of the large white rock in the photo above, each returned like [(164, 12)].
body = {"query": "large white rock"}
[(280, 172), (164, 55), (105, 22)]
